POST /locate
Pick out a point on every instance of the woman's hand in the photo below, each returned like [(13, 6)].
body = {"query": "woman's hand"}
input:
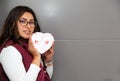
[(48, 55), (36, 55)]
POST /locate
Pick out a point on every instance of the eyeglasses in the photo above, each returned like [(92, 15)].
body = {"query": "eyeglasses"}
[(24, 22)]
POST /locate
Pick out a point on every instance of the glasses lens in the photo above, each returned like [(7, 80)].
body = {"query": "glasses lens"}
[(33, 24), (25, 23)]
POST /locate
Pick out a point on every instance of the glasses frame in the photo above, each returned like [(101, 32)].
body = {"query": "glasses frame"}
[(25, 23)]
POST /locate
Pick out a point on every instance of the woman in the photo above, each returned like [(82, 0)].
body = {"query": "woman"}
[(19, 59)]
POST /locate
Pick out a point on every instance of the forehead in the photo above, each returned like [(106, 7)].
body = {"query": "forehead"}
[(27, 16)]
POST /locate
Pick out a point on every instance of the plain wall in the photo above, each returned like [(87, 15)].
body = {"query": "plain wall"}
[(87, 36)]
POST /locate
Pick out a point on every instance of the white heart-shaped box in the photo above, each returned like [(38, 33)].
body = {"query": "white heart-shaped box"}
[(42, 41)]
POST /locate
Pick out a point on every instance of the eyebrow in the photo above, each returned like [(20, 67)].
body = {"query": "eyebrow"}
[(26, 19)]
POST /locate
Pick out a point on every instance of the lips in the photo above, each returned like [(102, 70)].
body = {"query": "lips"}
[(27, 32)]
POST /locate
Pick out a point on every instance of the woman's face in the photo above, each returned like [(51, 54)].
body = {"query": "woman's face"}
[(26, 25)]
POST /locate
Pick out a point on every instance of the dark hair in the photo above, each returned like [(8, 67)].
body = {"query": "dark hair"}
[(10, 29)]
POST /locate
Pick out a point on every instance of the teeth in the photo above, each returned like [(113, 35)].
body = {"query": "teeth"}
[(27, 31)]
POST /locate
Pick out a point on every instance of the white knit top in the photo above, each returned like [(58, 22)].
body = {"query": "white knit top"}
[(12, 63)]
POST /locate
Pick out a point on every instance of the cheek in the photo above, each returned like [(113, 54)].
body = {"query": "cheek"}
[(20, 30)]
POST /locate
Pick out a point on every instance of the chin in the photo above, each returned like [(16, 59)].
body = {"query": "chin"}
[(26, 37)]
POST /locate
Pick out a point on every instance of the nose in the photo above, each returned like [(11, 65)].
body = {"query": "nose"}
[(28, 25)]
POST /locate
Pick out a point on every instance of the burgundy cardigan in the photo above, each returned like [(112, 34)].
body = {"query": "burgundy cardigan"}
[(27, 60)]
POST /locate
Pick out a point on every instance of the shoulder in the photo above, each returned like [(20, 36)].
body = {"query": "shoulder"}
[(9, 52), (9, 49)]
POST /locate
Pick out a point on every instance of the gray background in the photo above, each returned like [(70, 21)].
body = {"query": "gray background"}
[(87, 36)]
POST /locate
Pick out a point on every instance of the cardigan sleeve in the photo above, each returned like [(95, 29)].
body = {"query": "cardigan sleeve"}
[(11, 61), (50, 70)]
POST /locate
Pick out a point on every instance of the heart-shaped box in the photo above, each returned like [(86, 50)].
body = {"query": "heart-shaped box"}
[(42, 41)]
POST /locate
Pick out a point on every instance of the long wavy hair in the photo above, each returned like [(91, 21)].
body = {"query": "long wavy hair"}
[(10, 29)]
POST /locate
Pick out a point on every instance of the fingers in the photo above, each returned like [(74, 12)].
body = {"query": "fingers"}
[(49, 54), (49, 57), (30, 41), (31, 46), (52, 49)]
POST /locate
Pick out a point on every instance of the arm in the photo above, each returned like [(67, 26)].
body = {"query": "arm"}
[(36, 55), (49, 68), (48, 57), (12, 64)]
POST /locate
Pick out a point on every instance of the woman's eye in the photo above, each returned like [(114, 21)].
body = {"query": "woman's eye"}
[(22, 21), (31, 22)]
